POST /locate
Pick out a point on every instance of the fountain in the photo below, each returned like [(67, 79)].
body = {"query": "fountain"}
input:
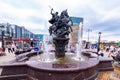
[(57, 65), (116, 74), (111, 75), (79, 44)]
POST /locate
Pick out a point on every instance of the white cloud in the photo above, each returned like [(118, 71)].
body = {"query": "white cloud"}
[(34, 14)]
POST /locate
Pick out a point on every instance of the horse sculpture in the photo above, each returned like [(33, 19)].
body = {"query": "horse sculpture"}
[(60, 24)]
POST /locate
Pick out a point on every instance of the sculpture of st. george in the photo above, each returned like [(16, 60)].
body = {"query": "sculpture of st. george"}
[(60, 29)]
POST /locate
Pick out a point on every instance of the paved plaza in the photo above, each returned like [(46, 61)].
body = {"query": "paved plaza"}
[(7, 58)]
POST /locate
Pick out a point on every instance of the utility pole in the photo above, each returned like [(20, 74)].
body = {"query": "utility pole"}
[(89, 30)]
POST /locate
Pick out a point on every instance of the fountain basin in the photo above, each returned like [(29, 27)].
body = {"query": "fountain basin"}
[(39, 70), (32, 70), (48, 71)]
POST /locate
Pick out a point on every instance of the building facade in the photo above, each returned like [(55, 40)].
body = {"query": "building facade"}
[(77, 29), (15, 31)]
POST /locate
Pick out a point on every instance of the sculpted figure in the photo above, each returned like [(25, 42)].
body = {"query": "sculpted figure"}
[(60, 24), (55, 16)]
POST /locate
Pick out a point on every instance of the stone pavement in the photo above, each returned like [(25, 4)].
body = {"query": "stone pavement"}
[(7, 58)]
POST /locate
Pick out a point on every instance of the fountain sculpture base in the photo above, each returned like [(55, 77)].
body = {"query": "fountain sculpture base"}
[(60, 46)]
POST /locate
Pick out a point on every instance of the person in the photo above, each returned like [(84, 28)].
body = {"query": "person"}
[(118, 49), (107, 49), (9, 46), (55, 17), (100, 53), (116, 52), (2, 53), (111, 51), (13, 47)]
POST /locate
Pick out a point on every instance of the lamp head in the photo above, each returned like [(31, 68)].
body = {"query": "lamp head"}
[(99, 33)]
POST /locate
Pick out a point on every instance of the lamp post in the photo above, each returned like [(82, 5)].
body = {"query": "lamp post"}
[(2, 34), (98, 49)]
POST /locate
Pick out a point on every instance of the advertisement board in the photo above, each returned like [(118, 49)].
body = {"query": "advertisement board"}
[(77, 25), (40, 36)]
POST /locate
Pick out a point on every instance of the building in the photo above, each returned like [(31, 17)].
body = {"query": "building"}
[(22, 32), (14, 32), (77, 25)]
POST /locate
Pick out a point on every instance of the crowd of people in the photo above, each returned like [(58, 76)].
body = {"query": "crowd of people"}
[(15, 47), (112, 51), (25, 47), (18, 48)]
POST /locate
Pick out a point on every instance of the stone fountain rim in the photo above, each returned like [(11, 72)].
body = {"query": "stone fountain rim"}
[(86, 65), (89, 64)]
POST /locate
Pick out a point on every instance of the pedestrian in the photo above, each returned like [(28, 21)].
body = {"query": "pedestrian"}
[(9, 46), (107, 49), (13, 47), (111, 51), (100, 53), (2, 53)]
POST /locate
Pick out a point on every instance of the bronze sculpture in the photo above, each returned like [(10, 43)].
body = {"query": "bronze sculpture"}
[(60, 24), (60, 29)]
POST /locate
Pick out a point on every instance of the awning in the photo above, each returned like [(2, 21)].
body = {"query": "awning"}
[(26, 39)]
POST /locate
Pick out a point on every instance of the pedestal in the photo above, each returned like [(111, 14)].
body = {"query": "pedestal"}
[(60, 44)]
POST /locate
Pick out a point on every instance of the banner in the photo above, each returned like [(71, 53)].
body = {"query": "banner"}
[(77, 29), (40, 36)]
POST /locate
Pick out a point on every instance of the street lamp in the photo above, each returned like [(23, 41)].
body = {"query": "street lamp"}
[(98, 49), (2, 34)]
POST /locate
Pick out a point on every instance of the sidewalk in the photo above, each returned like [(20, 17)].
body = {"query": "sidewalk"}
[(7, 58)]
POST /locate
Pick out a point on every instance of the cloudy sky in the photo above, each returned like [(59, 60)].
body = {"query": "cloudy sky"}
[(99, 15)]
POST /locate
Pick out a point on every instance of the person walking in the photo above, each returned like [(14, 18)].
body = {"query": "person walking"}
[(111, 51), (2, 53), (9, 46), (13, 47)]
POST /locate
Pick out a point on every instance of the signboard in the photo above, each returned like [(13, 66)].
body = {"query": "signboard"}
[(76, 20), (36, 49), (77, 24), (40, 36)]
